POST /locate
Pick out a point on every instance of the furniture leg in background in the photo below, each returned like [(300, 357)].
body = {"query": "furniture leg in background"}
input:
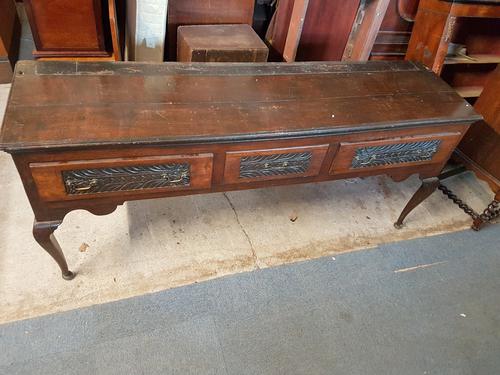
[(370, 15), (311, 30)]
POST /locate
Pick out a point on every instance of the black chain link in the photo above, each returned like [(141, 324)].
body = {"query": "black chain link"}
[(489, 214), (464, 206)]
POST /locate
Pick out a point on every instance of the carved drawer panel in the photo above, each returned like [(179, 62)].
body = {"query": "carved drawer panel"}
[(393, 153), (108, 177), (258, 165), (103, 180)]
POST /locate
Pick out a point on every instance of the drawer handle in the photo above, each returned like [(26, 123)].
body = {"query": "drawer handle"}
[(92, 183), (167, 177)]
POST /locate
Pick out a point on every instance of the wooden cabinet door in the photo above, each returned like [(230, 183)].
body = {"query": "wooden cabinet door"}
[(62, 26)]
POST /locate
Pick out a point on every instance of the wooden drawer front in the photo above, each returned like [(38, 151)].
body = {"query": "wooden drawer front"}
[(107, 177), (258, 165), (392, 153)]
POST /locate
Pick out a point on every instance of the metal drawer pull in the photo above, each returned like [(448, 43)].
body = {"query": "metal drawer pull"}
[(92, 183), (167, 177)]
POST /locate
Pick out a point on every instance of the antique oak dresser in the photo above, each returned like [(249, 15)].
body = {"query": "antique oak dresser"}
[(94, 135)]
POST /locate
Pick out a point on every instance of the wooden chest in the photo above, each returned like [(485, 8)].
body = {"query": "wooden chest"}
[(220, 43), (203, 12), (93, 135)]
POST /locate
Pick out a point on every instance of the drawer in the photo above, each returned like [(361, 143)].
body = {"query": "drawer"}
[(121, 176), (394, 153), (270, 164)]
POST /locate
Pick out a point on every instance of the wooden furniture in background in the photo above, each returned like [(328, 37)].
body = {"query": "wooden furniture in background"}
[(146, 31), (394, 34), (203, 12), (297, 19), (479, 150), (376, 29), (77, 29), (370, 15), (220, 43), (10, 33), (325, 29), (474, 24), (94, 137)]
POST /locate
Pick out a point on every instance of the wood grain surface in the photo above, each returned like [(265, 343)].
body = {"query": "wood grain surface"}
[(71, 104)]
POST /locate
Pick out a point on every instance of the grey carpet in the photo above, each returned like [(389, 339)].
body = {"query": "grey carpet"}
[(351, 315)]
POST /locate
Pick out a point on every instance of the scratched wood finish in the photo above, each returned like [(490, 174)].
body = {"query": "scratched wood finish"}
[(143, 103), (220, 43), (223, 126)]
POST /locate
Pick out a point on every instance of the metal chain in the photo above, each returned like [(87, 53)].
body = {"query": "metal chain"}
[(491, 212), (464, 206)]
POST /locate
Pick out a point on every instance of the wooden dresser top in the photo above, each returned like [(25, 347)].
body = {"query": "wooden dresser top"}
[(75, 105)]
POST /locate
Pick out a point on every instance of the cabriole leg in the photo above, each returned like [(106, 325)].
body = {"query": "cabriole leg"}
[(43, 231), (429, 185)]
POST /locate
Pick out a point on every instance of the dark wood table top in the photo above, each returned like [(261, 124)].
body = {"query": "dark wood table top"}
[(75, 105)]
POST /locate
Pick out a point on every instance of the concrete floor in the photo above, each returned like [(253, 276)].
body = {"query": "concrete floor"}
[(424, 306)]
